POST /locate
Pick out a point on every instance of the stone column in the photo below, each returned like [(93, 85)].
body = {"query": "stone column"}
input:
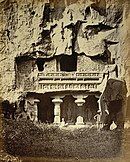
[(80, 101), (57, 101), (99, 102), (99, 105), (98, 116), (35, 110)]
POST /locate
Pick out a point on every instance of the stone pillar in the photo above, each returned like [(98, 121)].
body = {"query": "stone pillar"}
[(98, 116), (80, 101), (99, 103), (35, 110), (57, 101)]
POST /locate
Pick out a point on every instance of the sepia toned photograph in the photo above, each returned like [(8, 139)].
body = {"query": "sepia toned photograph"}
[(64, 80)]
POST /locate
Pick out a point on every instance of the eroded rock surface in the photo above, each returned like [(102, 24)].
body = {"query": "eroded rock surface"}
[(47, 29)]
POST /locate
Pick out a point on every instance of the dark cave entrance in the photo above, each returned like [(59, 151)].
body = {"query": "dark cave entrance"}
[(68, 109), (45, 109), (68, 63), (90, 108), (40, 64)]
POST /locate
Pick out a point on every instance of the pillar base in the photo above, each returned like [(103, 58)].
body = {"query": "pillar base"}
[(79, 120), (79, 123), (57, 120)]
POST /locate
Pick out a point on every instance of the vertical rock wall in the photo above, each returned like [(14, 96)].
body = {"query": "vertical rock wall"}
[(24, 25), (124, 52), (19, 29)]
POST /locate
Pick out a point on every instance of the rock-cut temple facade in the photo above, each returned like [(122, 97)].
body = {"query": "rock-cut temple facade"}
[(64, 60)]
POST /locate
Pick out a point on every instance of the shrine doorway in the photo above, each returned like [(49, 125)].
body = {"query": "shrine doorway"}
[(68, 109), (45, 109), (90, 109)]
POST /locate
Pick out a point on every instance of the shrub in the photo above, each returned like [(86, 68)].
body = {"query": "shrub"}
[(24, 138)]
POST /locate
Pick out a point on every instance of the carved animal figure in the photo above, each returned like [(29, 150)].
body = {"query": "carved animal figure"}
[(113, 102)]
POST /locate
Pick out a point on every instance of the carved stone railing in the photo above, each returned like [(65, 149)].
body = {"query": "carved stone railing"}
[(69, 81), (70, 76)]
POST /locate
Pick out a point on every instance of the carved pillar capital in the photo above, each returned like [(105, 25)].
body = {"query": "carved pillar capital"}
[(57, 100), (80, 99)]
